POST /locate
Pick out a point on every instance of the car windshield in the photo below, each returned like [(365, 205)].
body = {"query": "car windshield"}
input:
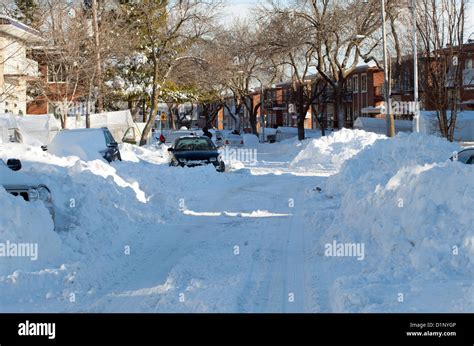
[(191, 144)]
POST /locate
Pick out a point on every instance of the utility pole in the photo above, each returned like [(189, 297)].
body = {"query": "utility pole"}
[(415, 69), (387, 96), (100, 99)]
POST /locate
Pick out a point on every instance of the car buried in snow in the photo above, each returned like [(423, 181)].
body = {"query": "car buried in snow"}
[(24, 185), (195, 151), (465, 156), (87, 144)]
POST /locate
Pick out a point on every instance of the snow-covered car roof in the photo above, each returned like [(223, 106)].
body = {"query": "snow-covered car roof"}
[(9, 177), (83, 143)]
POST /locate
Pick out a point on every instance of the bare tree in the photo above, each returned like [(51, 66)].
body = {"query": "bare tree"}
[(441, 24), (287, 49), (341, 33), (167, 30)]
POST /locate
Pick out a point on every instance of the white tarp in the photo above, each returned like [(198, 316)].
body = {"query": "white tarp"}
[(380, 125), (117, 122), (464, 125), (33, 130)]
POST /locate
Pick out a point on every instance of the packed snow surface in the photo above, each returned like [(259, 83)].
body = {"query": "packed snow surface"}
[(270, 236)]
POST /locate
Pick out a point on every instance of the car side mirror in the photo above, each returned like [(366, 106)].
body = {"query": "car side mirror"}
[(14, 164)]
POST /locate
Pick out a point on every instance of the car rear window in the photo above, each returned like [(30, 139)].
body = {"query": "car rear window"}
[(188, 144), (466, 156)]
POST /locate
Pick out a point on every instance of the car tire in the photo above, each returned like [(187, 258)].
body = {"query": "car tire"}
[(221, 167)]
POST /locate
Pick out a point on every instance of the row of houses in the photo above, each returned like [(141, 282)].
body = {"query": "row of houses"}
[(363, 96)]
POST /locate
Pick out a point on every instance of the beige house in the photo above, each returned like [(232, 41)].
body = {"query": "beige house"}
[(15, 68)]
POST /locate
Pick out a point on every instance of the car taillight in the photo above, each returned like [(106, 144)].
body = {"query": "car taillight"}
[(162, 139)]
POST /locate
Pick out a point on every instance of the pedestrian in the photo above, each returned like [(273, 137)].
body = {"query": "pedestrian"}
[(206, 132)]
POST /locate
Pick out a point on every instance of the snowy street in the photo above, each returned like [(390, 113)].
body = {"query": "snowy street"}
[(145, 237)]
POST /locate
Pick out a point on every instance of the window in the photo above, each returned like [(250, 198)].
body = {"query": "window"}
[(355, 84), (56, 73), (469, 64), (349, 84), (363, 82), (270, 95), (406, 80)]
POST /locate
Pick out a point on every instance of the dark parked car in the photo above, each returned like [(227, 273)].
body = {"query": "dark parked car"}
[(195, 151), (466, 156)]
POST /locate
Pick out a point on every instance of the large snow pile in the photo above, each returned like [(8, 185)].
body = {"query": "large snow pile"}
[(333, 150), (152, 153), (381, 161), (29, 227), (412, 209), (97, 212)]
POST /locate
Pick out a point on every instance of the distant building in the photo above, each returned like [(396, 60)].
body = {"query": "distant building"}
[(15, 68)]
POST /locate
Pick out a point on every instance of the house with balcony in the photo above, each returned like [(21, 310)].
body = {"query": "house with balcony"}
[(15, 68)]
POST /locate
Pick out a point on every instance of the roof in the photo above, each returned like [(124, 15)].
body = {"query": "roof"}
[(19, 30)]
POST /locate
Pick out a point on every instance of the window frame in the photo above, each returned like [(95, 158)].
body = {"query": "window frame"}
[(362, 88), (355, 84), (54, 76)]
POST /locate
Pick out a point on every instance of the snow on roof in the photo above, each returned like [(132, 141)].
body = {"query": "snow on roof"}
[(19, 30)]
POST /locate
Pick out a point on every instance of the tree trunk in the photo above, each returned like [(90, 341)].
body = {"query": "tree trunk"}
[(253, 121), (339, 107), (302, 110), (144, 110), (154, 107)]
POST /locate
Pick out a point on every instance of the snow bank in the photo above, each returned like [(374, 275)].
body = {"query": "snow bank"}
[(380, 162), (412, 209), (99, 212), (333, 150), (152, 153), (30, 225)]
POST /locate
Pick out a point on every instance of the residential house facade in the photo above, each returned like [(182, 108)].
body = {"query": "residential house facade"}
[(16, 70)]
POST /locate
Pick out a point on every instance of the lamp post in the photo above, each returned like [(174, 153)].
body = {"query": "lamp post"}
[(415, 69), (387, 96), (262, 106)]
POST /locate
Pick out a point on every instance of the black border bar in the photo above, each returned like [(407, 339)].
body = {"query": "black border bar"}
[(329, 329)]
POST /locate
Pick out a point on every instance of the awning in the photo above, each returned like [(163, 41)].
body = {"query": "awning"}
[(372, 110)]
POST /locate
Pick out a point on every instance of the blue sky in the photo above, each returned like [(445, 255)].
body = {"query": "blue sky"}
[(241, 8)]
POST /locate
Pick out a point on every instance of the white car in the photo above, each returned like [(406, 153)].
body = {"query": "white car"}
[(172, 136), (24, 185), (87, 144), (230, 139)]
